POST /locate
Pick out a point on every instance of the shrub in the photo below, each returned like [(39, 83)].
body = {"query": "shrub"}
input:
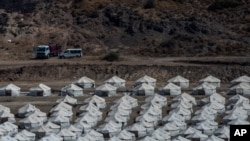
[(150, 4), (222, 4), (111, 56)]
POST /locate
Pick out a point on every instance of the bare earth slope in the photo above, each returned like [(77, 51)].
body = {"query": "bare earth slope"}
[(144, 27)]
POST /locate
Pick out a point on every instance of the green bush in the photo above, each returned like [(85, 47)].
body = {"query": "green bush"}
[(111, 56)]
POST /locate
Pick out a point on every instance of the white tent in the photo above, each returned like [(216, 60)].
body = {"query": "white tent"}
[(211, 80), (180, 81), (241, 88), (28, 108), (61, 106), (64, 113), (4, 108), (67, 135), (41, 131), (110, 129), (213, 138), (10, 90), (180, 138), (145, 79), (126, 136), (105, 90), (157, 100), (75, 130), (93, 135), (53, 127), (161, 135), (220, 108), (87, 118), (138, 129), (126, 98), (72, 90), (172, 128), (170, 89), (20, 137), (27, 134), (144, 90), (214, 98), (185, 97), (197, 135), (7, 138), (9, 128), (30, 122), (67, 99), (52, 137), (239, 121), (205, 127), (40, 90), (38, 113), (7, 116), (190, 130), (185, 113), (85, 82), (114, 139), (223, 132), (241, 79), (96, 100), (204, 88), (148, 138), (60, 120), (116, 82), (172, 116)]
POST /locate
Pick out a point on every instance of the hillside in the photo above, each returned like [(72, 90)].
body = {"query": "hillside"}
[(141, 27)]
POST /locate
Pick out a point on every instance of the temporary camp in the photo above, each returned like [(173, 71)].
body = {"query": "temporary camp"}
[(105, 90), (214, 98), (116, 82), (75, 130), (180, 138), (185, 97), (10, 90), (40, 90), (27, 135), (72, 90), (138, 129), (211, 80), (241, 88), (85, 82), (204, 89), (60, 120), (93, 135), (170, 89), (145, 79), (180, 81), (51, 137), (144, 90), (53, 127), (161, 135), (38, 113)]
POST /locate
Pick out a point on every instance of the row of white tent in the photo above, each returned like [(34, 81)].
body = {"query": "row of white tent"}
[(180, 123), (144, 86)]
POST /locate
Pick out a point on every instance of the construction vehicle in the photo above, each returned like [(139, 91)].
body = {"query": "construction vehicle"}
[(46, 51)]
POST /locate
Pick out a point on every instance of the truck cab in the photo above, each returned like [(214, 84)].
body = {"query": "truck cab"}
[(42, 51)]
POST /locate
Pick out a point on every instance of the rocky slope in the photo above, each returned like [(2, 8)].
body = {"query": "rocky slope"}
[(141, 27)]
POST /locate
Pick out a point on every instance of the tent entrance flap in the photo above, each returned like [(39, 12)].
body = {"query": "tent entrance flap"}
[(8, 92)]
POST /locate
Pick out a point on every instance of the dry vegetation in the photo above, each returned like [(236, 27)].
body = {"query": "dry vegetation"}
[(142, 27)]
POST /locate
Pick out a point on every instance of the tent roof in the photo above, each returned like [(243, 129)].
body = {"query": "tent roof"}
[(85, 79), (146, 79), (161, 134), (27, 133), (205, 85), (106, 87), (210, 78), (186, 97), (115, 79), (178, 79), (240, 79), (171, 86), (41, 86), (144, 86), (197, 135), (10, 87), (72, 87), (180, 138), (67, 99), (241, 86), (27, 108), (126, 135)]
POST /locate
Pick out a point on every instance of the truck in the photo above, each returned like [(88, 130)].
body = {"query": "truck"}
[(46, 51)]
